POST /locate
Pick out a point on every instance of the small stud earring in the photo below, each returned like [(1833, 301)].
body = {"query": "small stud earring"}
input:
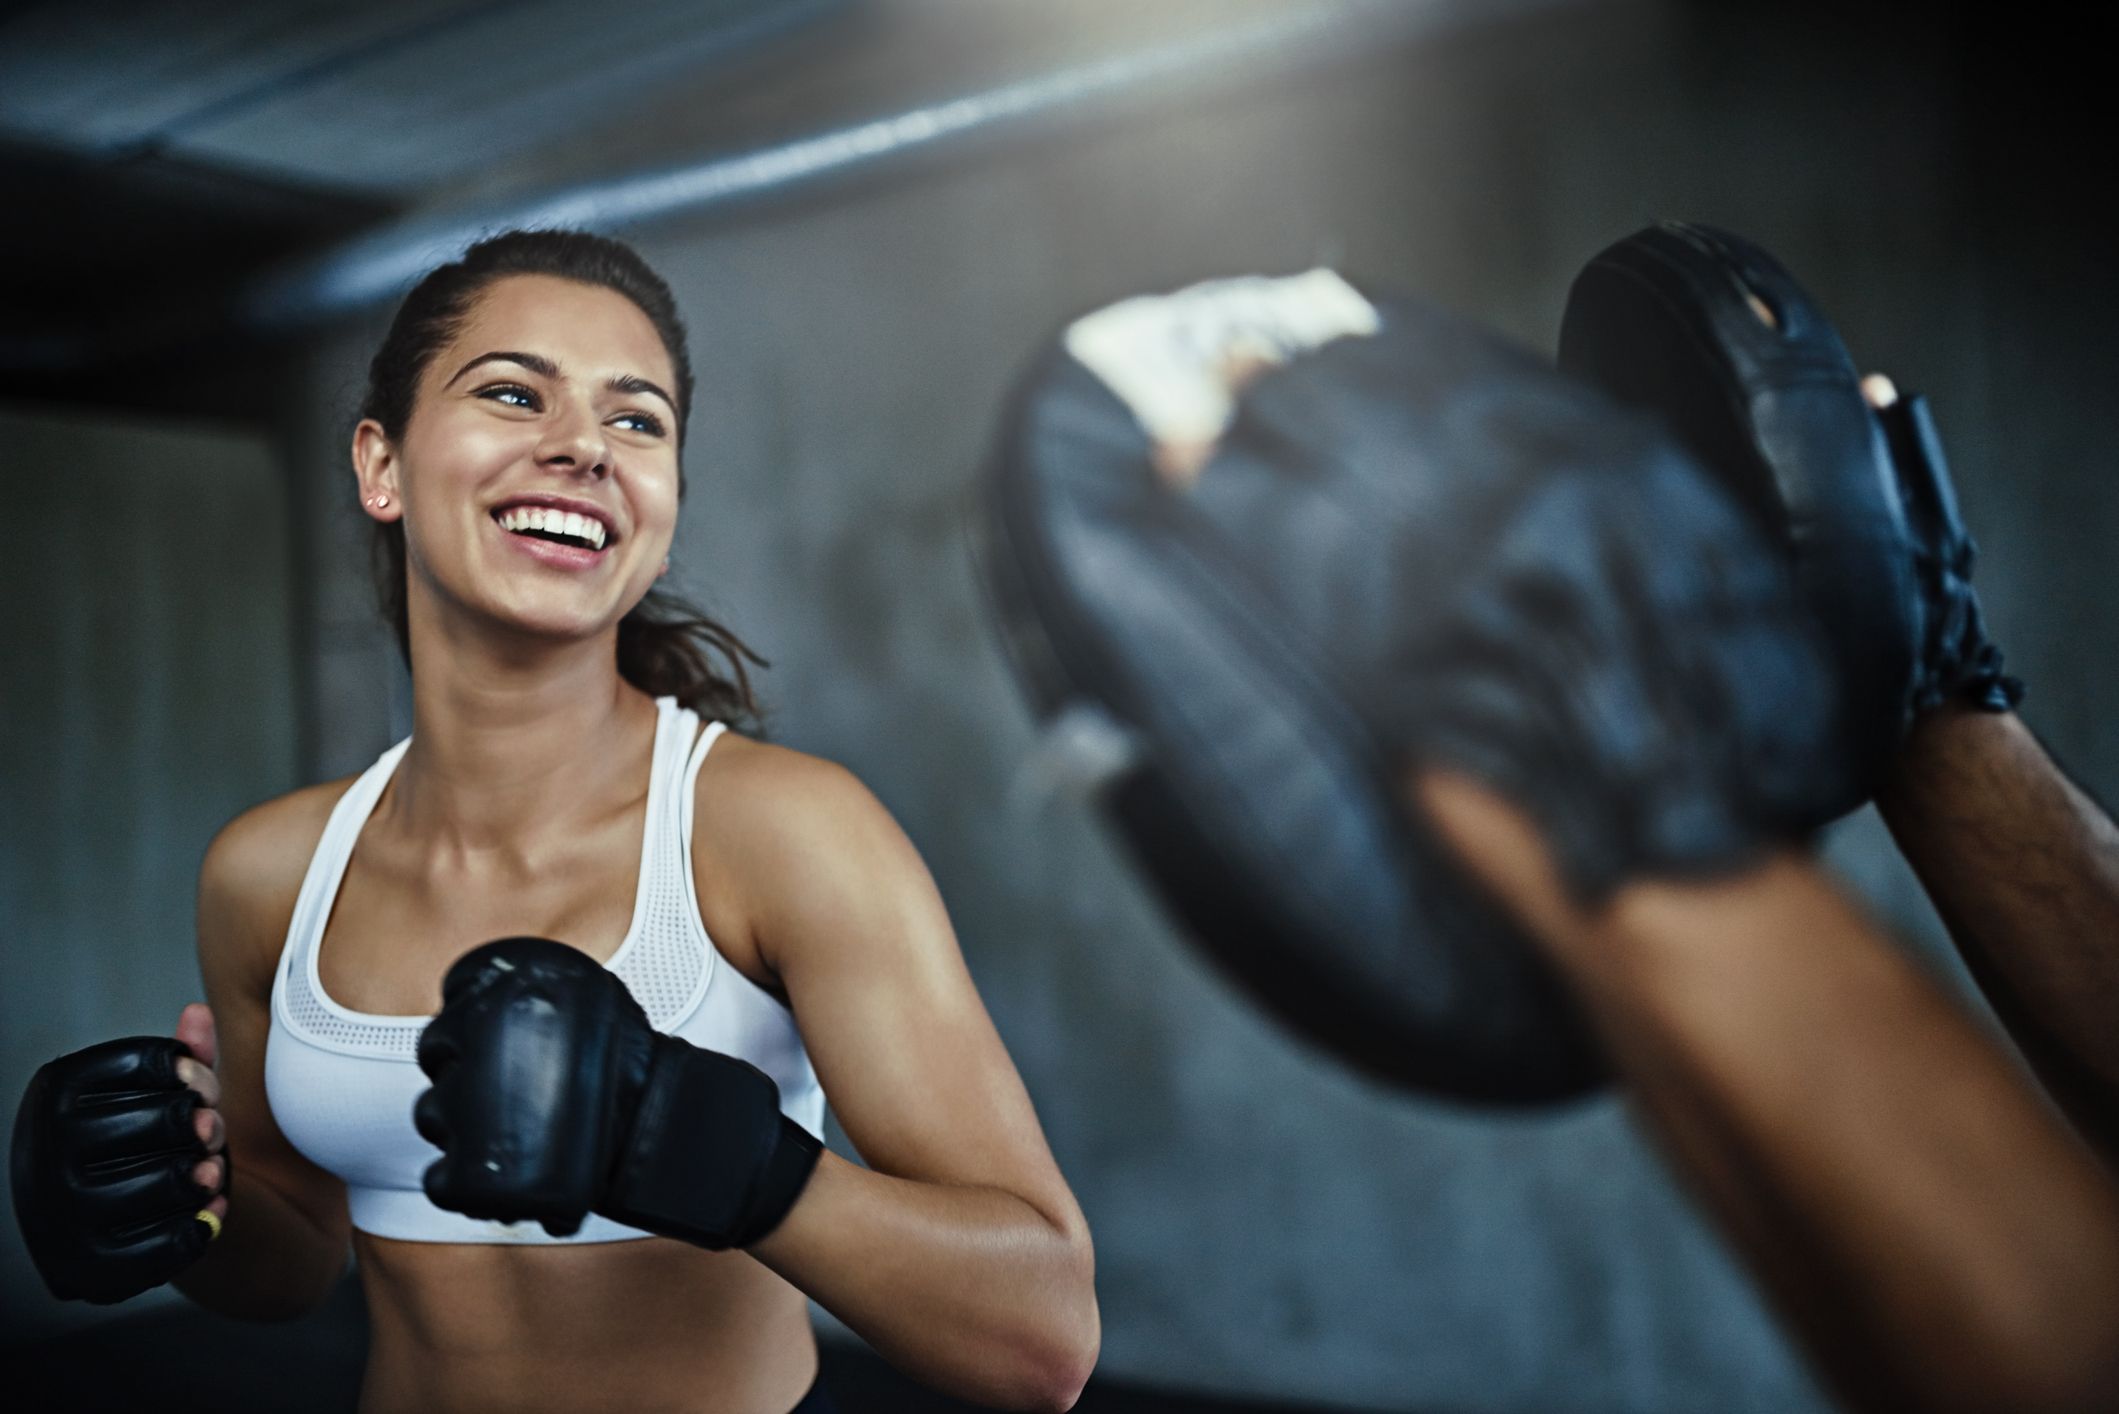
[(380, 502)]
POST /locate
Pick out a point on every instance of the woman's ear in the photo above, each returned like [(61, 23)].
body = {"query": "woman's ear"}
[(375, 468)]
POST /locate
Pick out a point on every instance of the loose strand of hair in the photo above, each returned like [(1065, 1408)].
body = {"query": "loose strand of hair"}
[(669, 647)]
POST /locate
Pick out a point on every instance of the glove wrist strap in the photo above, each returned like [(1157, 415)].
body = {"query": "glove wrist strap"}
[(781, 1182), (710, 1160)]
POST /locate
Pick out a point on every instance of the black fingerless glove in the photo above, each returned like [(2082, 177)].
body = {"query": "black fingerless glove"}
[(104, 1146), (554, 1097)]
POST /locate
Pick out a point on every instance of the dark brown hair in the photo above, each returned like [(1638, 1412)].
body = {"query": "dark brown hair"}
[(666, 646)]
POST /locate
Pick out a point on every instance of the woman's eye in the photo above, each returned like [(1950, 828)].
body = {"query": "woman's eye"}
[(642, 422), (512, 395)]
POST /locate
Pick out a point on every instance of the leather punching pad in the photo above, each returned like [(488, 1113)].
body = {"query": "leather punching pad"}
[(1709, 332), (1258, 804)]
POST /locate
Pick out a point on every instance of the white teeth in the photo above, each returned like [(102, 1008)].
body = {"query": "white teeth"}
[(555, 522)]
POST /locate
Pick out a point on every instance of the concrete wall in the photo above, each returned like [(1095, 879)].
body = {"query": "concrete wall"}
[(148, 648), (1267, 1224)]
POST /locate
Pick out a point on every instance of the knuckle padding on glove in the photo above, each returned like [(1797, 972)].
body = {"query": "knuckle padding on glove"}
[(430, 1116), (130, 1125), (152, 1186), (523, 1091)]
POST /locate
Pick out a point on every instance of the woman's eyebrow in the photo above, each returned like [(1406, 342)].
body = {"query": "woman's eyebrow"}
[(629, 383), (536, 363), (634, 384)]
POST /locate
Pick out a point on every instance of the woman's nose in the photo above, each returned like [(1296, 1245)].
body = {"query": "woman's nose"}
[(575, 441)]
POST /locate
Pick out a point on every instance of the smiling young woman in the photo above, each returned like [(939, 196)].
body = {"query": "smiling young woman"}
[(743, 931)]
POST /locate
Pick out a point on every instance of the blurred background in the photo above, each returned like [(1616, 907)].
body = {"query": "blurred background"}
[(871, 211)]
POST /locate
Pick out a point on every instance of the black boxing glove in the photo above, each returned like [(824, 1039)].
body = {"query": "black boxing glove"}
[(104, 1147), (554, 1097), (1504, 572)]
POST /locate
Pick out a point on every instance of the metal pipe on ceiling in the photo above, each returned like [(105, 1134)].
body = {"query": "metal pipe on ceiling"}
[(381, 265)]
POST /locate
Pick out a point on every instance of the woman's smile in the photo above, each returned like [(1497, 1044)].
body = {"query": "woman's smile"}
[(562, 550)]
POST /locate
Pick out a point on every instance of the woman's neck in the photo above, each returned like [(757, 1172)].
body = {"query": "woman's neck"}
[(512, 750)]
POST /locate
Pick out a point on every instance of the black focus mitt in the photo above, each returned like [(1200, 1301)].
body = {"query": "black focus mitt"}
[(1710, 333), (1288, 539)]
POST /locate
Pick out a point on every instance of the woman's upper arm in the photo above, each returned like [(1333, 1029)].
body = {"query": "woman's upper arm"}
[(843, 911), (247, 885)]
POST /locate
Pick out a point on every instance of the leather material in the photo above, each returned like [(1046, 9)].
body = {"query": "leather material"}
[(101, 1165), (554, 1097), (1417, 546), (1669, 320), (1507, 574), (711, 1158), (1955, 661)]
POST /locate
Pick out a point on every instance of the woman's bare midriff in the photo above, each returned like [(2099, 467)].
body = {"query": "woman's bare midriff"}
[(647, 1325)]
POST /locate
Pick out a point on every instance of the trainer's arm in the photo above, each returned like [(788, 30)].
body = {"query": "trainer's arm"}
[(958, 1252), (2024, 868), (284, 1241), (1931, 1233)]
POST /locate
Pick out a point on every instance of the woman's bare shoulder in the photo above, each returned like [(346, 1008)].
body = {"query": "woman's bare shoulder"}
[(769, 822), (748, 787), (253, 869), (810, 863)]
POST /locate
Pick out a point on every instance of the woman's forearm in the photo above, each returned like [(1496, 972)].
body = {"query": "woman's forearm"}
[(271, 1261), (972, 1290)]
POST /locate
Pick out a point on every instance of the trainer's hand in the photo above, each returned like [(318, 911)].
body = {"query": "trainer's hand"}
[(1719, 340), (120, 1178), (1500, 847), (554, 1097)]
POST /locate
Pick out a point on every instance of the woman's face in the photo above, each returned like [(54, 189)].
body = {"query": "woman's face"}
[(537, 476)]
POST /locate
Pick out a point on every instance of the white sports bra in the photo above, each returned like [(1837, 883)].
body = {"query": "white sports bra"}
[(341, 1083)]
